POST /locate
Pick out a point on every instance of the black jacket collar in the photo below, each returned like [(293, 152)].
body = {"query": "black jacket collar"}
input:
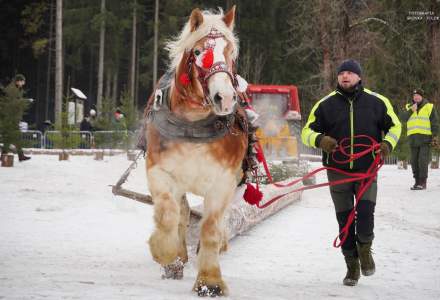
[(350, 95)]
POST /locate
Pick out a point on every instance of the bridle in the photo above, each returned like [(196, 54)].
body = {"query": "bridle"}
[(206, 68)]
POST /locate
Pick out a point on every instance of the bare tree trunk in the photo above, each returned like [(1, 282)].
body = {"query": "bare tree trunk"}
[(101, 60), (434, 50), (156, 36), (132, 79), (108, 84), (345, 31), (136, 89), (324, 41), (59, 63), (115, 86), (49, 62), (91, 76)]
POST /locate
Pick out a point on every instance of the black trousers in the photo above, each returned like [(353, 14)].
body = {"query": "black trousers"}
[(420, 158), (343, 196)]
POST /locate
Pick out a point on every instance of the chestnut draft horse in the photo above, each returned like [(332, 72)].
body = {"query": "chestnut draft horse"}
[(196, 144)]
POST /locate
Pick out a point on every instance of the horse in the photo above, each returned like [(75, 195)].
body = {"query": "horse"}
[(196, 144)]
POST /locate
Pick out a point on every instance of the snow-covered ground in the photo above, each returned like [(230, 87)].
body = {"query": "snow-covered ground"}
[(63, 235)]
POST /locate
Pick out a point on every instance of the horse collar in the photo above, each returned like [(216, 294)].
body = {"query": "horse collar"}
[(173, 127)]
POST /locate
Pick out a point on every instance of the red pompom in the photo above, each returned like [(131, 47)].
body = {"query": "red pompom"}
[(208, 59), (252, 195), (184, 79)]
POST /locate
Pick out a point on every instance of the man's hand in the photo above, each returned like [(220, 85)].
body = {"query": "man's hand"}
[(414, 107), (435, 142), (384, 149), (328, 144)]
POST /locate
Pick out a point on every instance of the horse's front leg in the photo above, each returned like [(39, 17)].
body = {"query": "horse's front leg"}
[(209, 280), (164, 241), (175, 269)]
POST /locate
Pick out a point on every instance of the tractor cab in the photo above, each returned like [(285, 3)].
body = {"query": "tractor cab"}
[(279, 120)]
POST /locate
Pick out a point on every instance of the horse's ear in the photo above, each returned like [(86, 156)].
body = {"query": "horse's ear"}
[(196, 19), (229, 18)]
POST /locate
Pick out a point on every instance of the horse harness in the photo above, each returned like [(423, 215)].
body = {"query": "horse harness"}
[(172, 127)]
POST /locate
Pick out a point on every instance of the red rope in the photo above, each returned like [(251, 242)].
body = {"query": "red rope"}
[(365, 178)]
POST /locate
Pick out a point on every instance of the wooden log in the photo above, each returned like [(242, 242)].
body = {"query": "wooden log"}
[(99, 155), (7, 160), (63, 156), (131, 156)]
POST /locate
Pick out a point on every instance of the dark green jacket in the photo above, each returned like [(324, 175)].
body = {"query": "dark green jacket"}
[(421, 139), (13, 101)]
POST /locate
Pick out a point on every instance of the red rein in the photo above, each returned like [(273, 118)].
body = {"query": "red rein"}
[(253, 195)]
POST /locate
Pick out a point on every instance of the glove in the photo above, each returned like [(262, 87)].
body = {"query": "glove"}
[(435, 142), (384, 149), (328, 144)]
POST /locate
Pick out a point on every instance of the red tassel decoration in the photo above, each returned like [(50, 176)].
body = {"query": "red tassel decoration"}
[(208, 59), (184, 79), (260, 155), (252, 195)]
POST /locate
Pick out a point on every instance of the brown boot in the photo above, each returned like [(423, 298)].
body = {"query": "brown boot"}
[(368, 266), (353, 271), (423, 183)]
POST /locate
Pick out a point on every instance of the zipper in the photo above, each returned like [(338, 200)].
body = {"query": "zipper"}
[(351, 132)]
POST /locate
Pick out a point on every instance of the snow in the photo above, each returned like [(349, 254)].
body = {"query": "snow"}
[(63, 235)]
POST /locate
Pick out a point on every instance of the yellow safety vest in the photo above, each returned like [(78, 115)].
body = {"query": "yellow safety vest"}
[(419, 121)]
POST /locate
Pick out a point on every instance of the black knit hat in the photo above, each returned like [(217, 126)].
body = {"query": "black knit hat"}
[(19, 77), (350, 65), (420, 92)]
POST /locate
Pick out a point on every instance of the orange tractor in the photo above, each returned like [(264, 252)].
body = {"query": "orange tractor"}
[(279, 119)]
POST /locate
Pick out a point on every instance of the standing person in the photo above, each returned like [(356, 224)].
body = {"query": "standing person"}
[(12, 109), (85, 124), (118, 121), (422, 130), (349, 111)]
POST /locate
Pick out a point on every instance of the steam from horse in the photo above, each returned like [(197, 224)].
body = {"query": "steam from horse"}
[(203, 153)]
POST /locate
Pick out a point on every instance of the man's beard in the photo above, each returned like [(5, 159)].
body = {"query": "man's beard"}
[(348, 87)]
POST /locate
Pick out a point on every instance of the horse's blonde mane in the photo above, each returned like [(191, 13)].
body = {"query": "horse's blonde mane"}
[(187, 39)]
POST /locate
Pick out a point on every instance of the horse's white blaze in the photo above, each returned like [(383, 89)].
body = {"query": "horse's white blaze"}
[(219, 49), (220, 83)]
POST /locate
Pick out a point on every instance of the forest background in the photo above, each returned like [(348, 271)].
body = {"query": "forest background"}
[(114, 50)]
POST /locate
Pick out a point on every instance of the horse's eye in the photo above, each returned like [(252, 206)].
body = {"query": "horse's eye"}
[(196, 52)]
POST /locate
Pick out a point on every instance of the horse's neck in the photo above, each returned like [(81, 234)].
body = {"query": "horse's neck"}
[(180, 107)]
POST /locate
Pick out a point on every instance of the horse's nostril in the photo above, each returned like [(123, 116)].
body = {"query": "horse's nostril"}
[(217, 97)]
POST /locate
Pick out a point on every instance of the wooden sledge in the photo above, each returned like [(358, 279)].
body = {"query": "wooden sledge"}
[(240, 217)]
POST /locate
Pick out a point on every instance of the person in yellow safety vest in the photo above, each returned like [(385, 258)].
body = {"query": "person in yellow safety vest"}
[(422, 130)]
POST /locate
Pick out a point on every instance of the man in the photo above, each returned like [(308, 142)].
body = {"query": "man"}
[(118, 121), (85, 124), (12, 109), (349, 111), (422, 130)]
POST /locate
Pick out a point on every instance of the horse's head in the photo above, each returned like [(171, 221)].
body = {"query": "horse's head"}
[(203, 56)]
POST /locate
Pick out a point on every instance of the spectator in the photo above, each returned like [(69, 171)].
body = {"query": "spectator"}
[(12, 109), (422, 130)]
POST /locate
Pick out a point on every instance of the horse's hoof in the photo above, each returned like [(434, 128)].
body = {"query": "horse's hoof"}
[(210, 290), (174, 270)]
